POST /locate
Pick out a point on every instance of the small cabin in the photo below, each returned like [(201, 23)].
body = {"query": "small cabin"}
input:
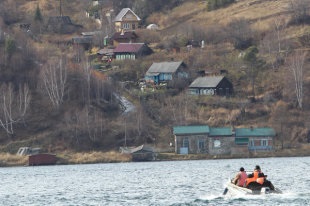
[(140, 153)]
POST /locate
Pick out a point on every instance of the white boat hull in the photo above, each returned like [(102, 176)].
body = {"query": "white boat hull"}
[(236, 190)]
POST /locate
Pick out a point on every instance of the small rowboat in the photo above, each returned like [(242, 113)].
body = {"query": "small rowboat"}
[(233, 189)]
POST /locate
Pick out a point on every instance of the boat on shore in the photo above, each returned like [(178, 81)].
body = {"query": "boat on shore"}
[(233, 190), (140, 153)]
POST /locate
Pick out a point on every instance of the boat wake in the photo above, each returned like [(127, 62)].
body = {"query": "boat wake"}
[(286, 198)]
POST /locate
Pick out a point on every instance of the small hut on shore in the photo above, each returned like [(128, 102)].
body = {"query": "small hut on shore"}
[(140, 153)]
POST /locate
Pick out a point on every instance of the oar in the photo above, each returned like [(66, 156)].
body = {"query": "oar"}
[(225, 191)]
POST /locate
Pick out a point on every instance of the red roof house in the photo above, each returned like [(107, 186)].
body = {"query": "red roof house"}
[(131, 51)]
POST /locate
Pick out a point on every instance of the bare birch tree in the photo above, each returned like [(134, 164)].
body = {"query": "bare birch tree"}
[(14, 105), (296, 65), (54, 77)]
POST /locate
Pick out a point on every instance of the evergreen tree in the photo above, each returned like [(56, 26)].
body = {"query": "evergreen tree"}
[(38, 16)]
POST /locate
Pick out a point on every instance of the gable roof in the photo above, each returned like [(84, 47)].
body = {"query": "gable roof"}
[(208, 81), (55, 20), (128, 47), (131, 150), (220, 131), (194, 129), (255, 132), (105, 51), (164, 67), (123, 12)]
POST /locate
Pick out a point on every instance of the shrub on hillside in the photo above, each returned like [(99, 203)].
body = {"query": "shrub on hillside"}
[(299, 12), (216, 4), (240, 33)]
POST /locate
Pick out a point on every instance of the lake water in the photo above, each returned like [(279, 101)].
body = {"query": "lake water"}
[(174, 183)]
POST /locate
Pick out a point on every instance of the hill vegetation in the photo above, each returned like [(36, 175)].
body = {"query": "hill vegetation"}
[(51, 97)]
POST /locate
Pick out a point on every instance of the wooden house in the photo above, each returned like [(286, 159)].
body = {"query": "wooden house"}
[(131, 51), (211, 85), (191, 139), (220, 140), (126, 20), (256, 139), (61, 25), (124, 37), (163, 72)]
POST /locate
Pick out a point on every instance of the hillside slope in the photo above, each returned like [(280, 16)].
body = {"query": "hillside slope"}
[(90, 120)]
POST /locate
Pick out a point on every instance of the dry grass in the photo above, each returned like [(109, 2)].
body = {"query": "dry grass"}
[(7, 159), (262, 13), (92, 157)]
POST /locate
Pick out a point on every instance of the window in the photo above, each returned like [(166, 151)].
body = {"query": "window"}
[(126, 26), (185, 142), (133, 26), (251, 143), (264, 142), (217, 143), (201, 145)]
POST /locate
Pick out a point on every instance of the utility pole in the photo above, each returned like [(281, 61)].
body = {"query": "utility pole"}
[(60, 11)]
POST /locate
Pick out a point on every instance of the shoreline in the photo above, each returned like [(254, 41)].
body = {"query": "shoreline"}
[(71, 158)]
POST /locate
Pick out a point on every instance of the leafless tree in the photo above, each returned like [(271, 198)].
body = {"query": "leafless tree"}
[(54, 77), (241, 33), (300, 11), (14, 105), (296, 65), (274, 43)]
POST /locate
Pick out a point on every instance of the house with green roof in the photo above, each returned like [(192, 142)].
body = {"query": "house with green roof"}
[(221, 140), (255, 139), (202, 139), (191, 139)]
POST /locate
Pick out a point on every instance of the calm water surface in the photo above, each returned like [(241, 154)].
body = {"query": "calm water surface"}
[(174, 183)]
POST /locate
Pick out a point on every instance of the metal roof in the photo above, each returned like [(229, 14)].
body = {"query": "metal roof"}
[(206, 82), (105, 51), (220, 131), (194, 129), (91, 33), (130, 150), (128, 47), (255, 132), (164, 67), (123, 12)]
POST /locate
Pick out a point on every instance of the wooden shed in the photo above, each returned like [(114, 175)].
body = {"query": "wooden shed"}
[(140, 153)]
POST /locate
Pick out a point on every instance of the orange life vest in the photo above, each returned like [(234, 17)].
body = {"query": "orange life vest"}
[(252, 179), (260, 180)]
